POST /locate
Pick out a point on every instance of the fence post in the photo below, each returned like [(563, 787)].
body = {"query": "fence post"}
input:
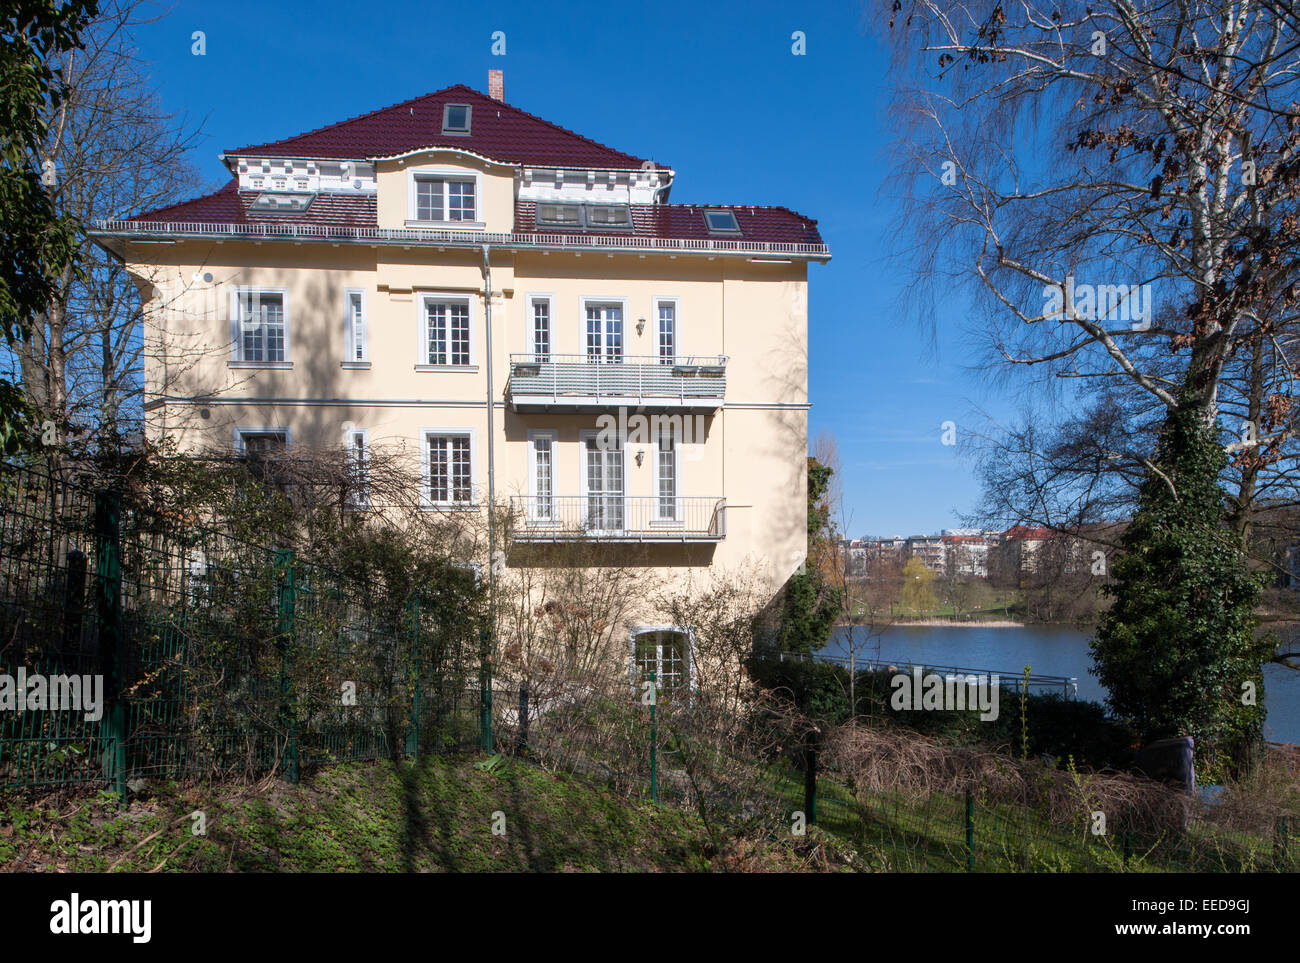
[(812, 743), (484, 692), (108, 607), (74, 602), (288, 710), (413, 730), (523, 718), (654, 739), (970, 831)]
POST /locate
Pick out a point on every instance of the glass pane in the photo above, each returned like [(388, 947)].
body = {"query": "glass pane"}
[(460, 200), (437, 333), (428, 199)]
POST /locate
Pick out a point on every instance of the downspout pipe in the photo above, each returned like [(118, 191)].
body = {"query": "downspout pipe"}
[(491, 441)]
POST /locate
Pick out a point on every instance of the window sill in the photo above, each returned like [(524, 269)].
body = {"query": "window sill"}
[(355, 365), (448, 225), (465, 368), (273, 365), (450, 507)]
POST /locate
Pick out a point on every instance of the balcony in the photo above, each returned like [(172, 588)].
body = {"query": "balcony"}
[(573, 382), (618, 518)]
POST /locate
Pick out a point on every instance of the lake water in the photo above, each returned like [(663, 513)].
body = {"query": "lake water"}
[(1049, 650)]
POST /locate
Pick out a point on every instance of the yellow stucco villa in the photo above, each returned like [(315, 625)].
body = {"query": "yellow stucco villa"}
[(518, 305)]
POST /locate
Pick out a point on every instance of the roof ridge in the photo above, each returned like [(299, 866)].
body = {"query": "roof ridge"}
[(565, 130), (436, 93), (349, 120)]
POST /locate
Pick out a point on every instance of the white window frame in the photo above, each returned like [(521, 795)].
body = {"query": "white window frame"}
[(583, 436), (530, 330), (676, 302), (237, 295), (422, 330), (585, 300), (533, 494), (242, 430), (350, 360), (415, 174), (638, 630), (349, 440), (659, 519), (426, 468)]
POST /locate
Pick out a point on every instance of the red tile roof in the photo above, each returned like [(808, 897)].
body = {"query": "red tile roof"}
[(677, 221), (1023, 531), (230, 206), (497, 131), (687, 221)]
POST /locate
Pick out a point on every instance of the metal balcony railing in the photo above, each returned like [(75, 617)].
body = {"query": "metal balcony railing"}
[(553, 518), (559, 379), (112, 227)]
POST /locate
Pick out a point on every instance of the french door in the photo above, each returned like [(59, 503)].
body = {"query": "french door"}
[(603, 469), (604, 333)]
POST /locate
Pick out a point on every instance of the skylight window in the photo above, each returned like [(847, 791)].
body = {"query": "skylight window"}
[(721, 222), (455, 119), (283, 203)]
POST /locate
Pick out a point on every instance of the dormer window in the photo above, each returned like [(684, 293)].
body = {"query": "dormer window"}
[(559, 215), (609, 216), (594, 217), (721, 222), (455, 119), (444, 198), (281, 203)]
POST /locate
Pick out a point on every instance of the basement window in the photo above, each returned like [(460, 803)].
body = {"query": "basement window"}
[(282, 203), (721, 222), (455, 119)]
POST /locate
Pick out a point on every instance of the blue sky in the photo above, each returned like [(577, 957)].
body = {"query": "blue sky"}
[(712, 89)]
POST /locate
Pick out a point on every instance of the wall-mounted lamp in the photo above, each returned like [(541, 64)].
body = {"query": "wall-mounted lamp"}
[(640, 325), (640, 454)]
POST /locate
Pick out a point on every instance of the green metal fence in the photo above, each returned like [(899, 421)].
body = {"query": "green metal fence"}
[(212, 656)]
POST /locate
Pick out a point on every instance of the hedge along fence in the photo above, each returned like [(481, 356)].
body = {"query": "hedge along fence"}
[(215, 656)]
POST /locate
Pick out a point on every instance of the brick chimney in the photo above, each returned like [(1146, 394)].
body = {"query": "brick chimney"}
[(497, 85)]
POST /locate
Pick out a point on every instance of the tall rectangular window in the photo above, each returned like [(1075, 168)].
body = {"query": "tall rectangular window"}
[(358, 462), (541, 330), (262, 331), (445, 199), (667, 332), (543, 500), (355, 328), (446, 332), (666, 477), (449, 470)]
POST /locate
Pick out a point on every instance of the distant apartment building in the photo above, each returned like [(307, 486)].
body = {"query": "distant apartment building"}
[(930, 549), (1020, 547), (492, 294), (966, 553)]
